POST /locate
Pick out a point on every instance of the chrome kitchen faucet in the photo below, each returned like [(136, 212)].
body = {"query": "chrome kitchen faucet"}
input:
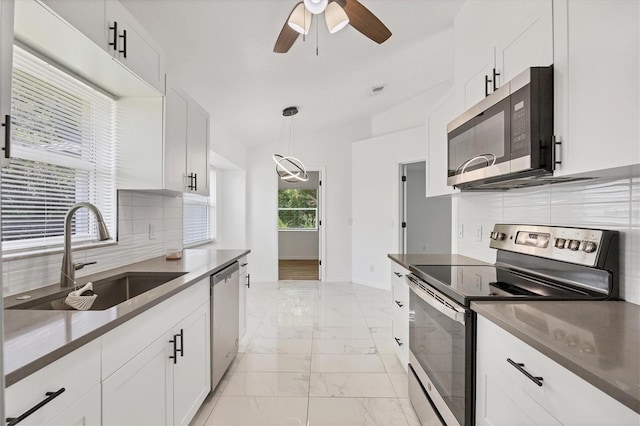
[(68, 271)]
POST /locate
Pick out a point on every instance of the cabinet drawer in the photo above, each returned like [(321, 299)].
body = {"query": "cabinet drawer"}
[(77, 372), (124, 342), (398, 273), (243, 266), (567, 397), (400, 340), (400, 300)]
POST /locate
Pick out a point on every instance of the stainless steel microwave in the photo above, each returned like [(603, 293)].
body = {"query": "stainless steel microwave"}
[(506, 140)]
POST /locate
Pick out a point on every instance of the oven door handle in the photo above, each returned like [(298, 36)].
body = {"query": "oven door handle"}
[(435, 303)]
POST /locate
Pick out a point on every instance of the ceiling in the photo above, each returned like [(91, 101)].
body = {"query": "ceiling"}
[(221, 51)]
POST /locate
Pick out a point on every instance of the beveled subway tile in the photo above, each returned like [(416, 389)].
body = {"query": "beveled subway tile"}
[(344, 346), (259, 411), (347, 363), (293, 363), (279, 346), (368, 385), (355, 412), (267, 384)]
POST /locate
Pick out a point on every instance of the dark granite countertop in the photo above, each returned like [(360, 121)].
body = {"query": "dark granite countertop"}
[(33, 339), (405, 260), (597, 340)]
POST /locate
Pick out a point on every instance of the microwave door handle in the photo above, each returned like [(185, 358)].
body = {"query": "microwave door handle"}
[(490, 162), (436, 304)]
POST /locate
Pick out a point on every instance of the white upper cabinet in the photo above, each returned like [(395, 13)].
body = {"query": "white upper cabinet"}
[(109, 25), (6, 60), (175, 137), (130, 43), (451, 105), (198, 150), (597, 84)]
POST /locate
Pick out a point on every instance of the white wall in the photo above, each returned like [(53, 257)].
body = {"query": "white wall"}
[(225, 145), (136, 212), (298, 245), (231, 209), (331, 150), (375, 174), (607, 204)]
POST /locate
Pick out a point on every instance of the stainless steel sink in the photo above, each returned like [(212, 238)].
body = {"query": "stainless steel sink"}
[(111, 291)]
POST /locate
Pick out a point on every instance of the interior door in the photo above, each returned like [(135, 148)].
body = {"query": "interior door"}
[(320, 225)]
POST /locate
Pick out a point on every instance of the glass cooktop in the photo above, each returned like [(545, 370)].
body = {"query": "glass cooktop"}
[(471, 282)]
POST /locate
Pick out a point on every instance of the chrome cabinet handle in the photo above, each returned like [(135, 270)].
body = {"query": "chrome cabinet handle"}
[(520, 367), (50, 396)]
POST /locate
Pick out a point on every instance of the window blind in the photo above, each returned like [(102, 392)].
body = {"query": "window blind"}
[(199, 215), (63, 152)]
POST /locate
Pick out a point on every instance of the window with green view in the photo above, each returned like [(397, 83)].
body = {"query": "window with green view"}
[(297, 209)]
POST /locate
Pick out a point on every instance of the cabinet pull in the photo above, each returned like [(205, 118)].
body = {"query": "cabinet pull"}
[(400, 304), (495, 80), (114, 43), (248, 280), (193, 181), (398, 341), (520, 368), (7, 136), (174, 357), (181, 350), (486, 85), (398, 274), (556, 152), (123, 36), (243, 264), (50, 397)]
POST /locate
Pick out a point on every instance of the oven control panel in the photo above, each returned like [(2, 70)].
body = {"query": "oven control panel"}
[(575, 245)]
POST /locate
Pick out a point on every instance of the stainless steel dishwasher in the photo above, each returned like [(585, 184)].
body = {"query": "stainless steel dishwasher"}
[(225, 296)]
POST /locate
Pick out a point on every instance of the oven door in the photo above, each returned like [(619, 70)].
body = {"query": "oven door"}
[(441, 351), (479, 141)]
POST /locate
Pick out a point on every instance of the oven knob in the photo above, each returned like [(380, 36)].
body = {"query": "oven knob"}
[(493, 235), (589, 247), (500, 236), (574, 245), (560, 242)]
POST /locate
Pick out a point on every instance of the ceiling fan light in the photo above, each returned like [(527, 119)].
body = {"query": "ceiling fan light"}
[(335, 17), (316, 6), (300, 19)]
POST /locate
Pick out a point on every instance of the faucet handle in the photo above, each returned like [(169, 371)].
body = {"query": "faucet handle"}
[(80, 265)]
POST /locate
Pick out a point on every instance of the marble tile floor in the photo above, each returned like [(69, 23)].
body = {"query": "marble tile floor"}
[(314, 354)]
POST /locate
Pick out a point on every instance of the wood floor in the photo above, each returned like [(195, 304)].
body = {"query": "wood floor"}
[(298, 269)]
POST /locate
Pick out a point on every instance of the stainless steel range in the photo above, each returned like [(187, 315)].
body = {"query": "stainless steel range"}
[(533, 262)]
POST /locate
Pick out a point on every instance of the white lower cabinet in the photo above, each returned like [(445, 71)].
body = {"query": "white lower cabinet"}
[(400, 313), (244, 286), (64, 383), (506, 396)]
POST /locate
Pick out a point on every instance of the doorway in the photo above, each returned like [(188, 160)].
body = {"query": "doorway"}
[(300, 229), (425, 223)]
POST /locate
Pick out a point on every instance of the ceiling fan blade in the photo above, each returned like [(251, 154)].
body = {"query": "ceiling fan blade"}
[(287, 36), (364, 21)]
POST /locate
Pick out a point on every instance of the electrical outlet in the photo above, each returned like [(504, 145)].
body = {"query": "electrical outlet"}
[(461, 231), (479, 234)]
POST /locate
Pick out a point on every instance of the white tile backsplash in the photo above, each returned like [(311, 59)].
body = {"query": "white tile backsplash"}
[(601, 203), (136, 210)]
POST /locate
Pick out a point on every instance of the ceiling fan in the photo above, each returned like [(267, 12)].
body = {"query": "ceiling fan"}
[(338, 13)]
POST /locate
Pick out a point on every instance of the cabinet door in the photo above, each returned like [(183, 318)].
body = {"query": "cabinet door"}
[(6, 60), (86, 411), (530, 44), (135, 48), (192, 370), (140, 393), (175, 138), (501, 402), (437, 160), (88, 17), (198, 148), (477, 86), (596, 84)]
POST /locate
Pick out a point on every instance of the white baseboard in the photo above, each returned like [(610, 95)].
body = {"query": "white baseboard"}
[(381, 286)]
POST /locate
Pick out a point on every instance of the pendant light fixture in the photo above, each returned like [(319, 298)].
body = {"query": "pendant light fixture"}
[(288, 167)]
